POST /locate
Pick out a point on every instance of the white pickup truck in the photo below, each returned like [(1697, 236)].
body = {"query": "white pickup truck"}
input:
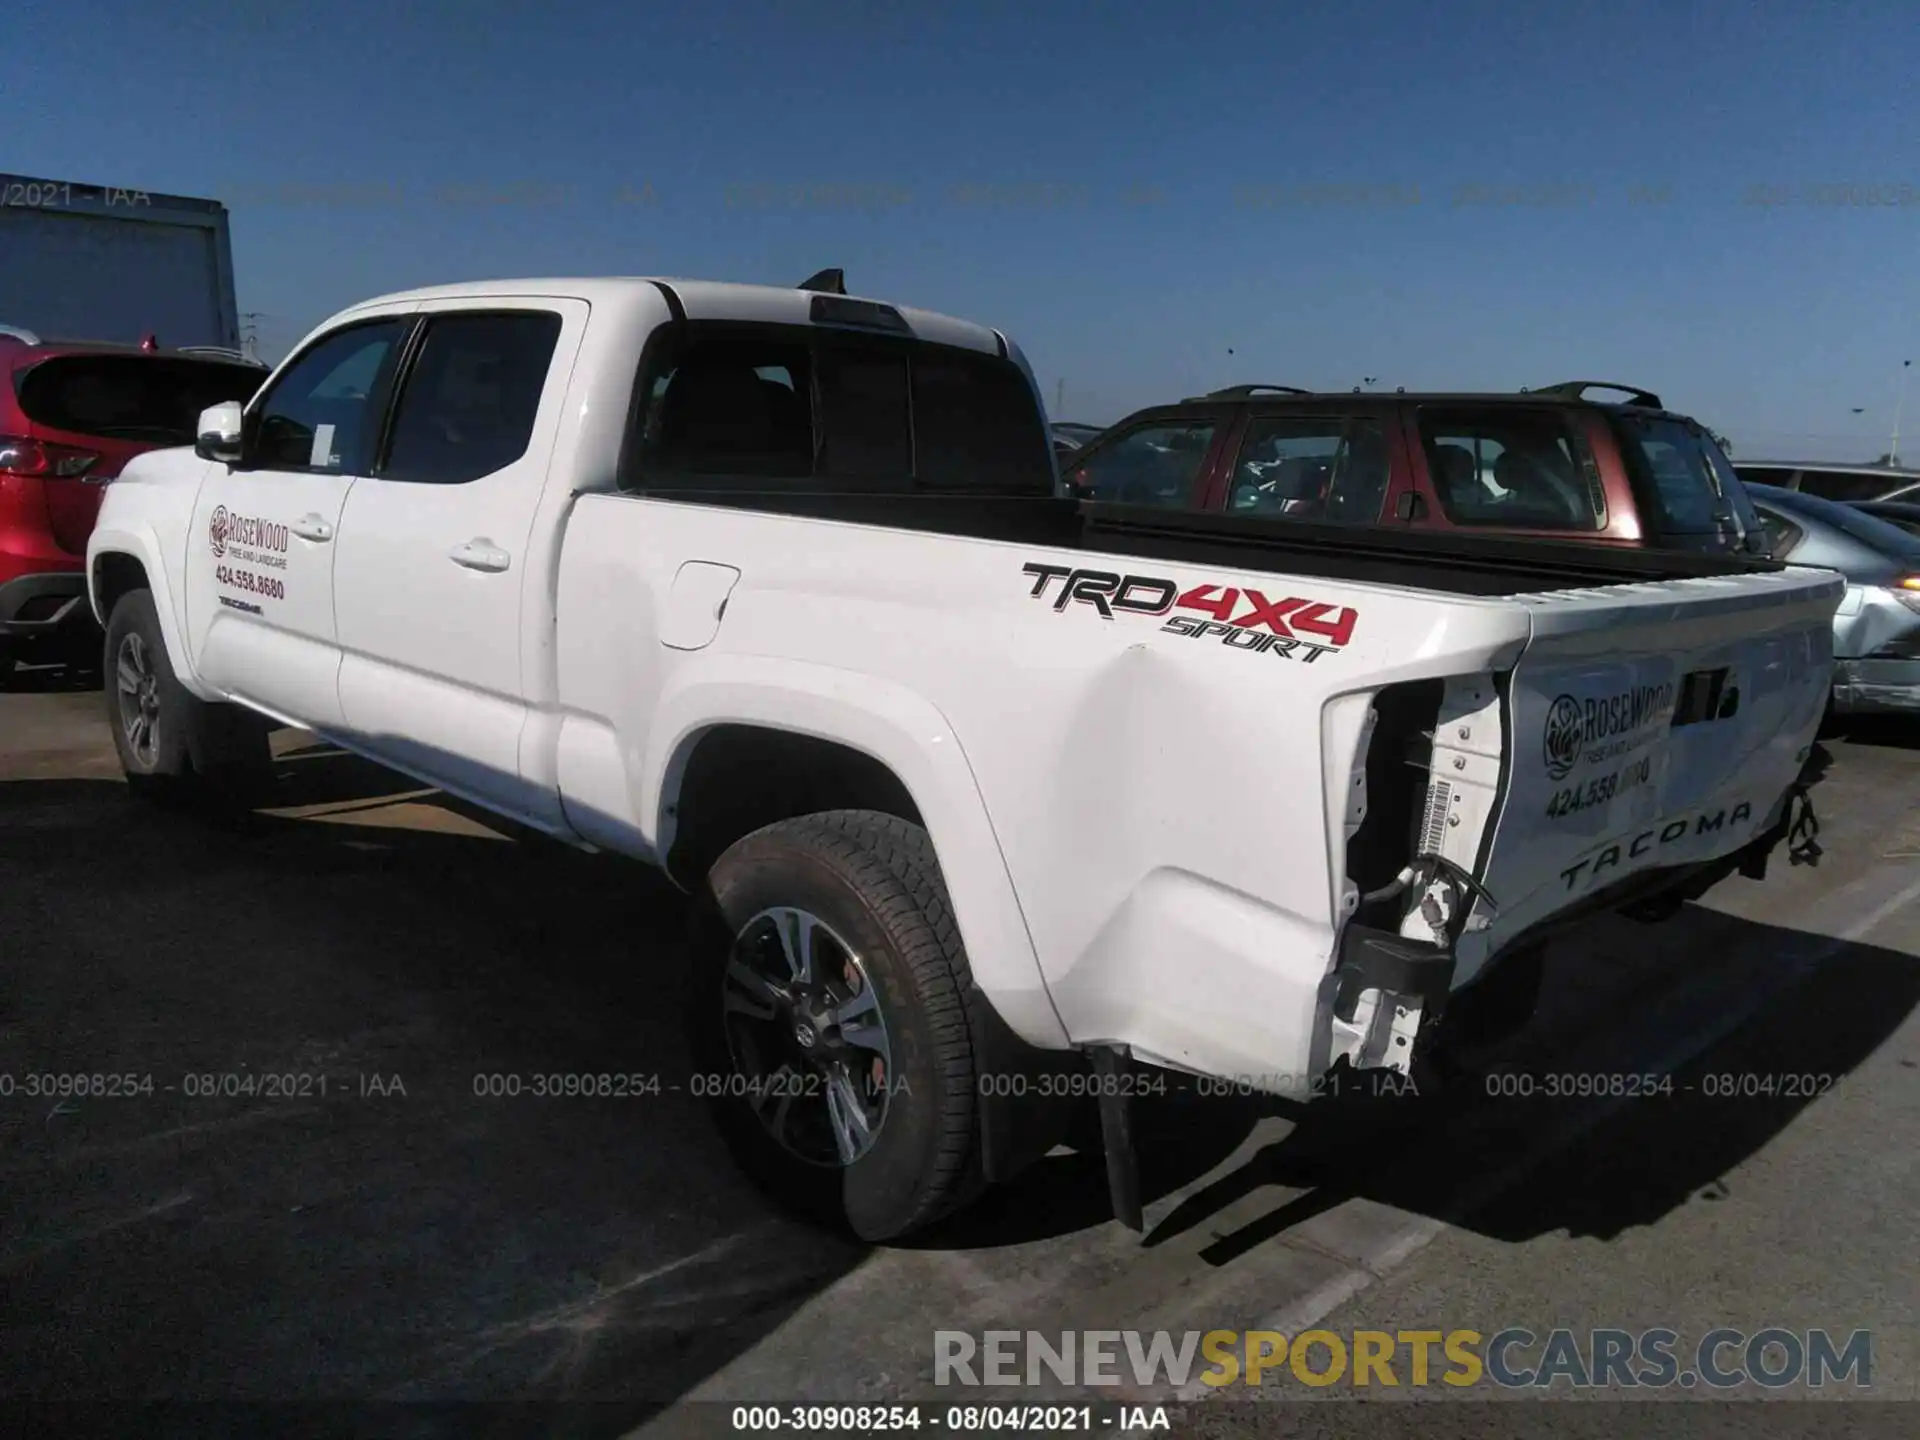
[(775, 589)]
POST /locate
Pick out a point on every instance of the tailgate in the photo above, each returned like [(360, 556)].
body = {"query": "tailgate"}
[(1645, 726)]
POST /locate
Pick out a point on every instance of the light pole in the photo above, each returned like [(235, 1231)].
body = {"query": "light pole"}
[(250, 333), (1893, 450)]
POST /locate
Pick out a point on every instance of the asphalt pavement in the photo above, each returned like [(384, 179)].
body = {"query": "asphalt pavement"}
[(291, 1172)]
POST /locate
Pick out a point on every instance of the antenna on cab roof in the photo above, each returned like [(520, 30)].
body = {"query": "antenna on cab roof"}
[(825, 282)]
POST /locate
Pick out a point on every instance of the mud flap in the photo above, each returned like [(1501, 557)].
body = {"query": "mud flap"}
[(1116, 1135)]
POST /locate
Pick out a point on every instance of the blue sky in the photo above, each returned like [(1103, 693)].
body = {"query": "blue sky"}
[(1465, 195)]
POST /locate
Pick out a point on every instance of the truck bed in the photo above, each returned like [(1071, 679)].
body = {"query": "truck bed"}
[(1446, 563)]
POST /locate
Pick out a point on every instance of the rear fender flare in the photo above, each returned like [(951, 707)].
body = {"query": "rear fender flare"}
[(912, 738)]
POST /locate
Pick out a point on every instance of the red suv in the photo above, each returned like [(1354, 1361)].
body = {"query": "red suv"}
[(1547, 462), (71, 414)]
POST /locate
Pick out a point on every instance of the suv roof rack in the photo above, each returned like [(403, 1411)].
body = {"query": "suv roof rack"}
[(1577, 390), (825, 282), (1243, 392)]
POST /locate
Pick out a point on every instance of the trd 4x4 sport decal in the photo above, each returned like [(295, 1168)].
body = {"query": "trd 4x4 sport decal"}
[(1243, 619)]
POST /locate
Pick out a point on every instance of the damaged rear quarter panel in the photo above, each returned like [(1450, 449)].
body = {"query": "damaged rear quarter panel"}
[(1159, 791)]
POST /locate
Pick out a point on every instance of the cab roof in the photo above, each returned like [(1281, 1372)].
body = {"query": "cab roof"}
[(705, 300)]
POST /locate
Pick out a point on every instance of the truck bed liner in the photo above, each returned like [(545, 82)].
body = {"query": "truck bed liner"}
[(1446, 562)]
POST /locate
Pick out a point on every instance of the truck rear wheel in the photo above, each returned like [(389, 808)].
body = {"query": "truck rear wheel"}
[(832, 1037), (171, 744)]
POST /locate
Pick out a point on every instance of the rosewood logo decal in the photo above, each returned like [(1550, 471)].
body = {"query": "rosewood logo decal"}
[(245, 533), (1562, 742), (1603, 727)]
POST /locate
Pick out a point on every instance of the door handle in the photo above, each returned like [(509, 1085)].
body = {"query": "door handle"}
[(481, 554), (312, 527)]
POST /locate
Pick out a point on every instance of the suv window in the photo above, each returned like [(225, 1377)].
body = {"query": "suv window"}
[(1734, 489), (1765, 475), (469, 400), (131, 397), (1674, 476), (1845, 485), (1510, 467), (1152, 464), (322, 413), (1317, 469), (741, 405), (1782, 534)]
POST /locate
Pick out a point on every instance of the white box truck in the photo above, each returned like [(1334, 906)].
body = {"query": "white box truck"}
[(91, 262)]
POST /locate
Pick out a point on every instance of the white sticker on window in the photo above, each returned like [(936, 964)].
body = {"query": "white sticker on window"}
[(322, 454)]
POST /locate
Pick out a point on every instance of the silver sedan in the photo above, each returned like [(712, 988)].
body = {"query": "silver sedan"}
[(1876, 631)]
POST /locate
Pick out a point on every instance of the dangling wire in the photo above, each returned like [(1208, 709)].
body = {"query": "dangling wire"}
[(1803, 842)]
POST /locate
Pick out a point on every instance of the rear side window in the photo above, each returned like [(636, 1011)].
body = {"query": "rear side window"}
[(812, 409), (1156, 463), (1314, 469), (471, 395), (1674, 476), (1845, 484), (151, 399), (1511, 468), (1734, 489)]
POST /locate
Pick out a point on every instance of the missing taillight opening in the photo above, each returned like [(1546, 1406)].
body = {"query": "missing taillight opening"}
[(1397, 770)]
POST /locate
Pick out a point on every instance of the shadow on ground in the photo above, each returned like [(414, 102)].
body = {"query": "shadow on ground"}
[(1631, 1160), (352, 1216), (300, 1184), (1892, 732)]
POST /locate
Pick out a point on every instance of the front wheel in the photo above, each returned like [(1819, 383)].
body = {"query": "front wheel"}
[(832, 1037), (171, 744)]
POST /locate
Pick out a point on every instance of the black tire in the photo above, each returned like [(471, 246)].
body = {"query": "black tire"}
[(6, 662), (872, 880), (182, 748)]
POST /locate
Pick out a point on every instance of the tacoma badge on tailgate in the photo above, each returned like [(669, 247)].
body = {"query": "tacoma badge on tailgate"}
[(1611, 854)]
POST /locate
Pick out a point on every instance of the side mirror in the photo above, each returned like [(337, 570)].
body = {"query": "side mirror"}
[(217, 435)]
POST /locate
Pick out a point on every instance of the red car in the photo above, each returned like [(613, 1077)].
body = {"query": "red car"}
[(1549, 462), (71, 414)]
